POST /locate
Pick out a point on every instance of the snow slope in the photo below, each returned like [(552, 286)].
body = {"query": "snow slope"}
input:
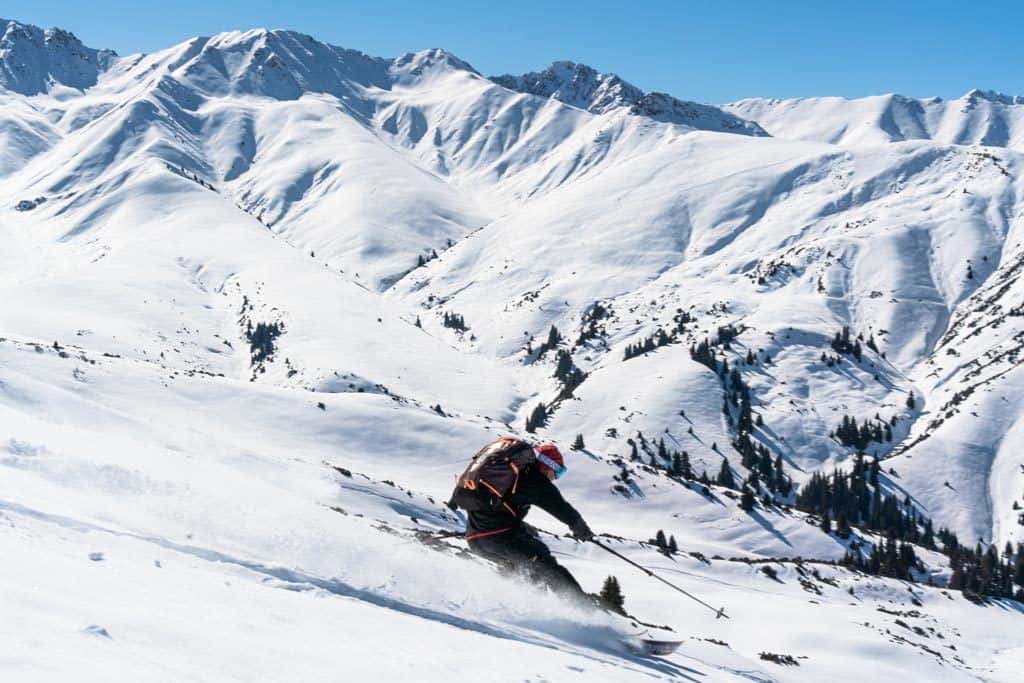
[(158, 211), (980, 117)]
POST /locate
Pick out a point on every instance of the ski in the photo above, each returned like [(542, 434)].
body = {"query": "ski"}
[(657, 648), (657, 643)]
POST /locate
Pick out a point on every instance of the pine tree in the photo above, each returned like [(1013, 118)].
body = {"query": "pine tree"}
[(611, 595), (873, 473), (672, 547), (681, 465), (725, 477), (577, 444), (563, 364), (911, 401), (538, 418), (553, 340), (843, 529), (659, 539), (455, 321), (956, 581), (747, 499), (826, 523)]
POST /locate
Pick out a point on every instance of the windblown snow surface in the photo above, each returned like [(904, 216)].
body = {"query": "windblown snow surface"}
[(174, 506)]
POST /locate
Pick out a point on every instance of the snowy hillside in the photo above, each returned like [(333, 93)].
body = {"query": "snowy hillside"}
[(978, 118), (263, 297)]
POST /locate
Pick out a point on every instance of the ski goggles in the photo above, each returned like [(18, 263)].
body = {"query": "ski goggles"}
[(559, 470)]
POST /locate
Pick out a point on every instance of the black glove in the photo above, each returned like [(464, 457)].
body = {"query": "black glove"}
[(581, 531)]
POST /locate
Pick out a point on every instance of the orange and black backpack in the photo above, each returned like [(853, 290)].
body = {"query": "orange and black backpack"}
[(493, 475)]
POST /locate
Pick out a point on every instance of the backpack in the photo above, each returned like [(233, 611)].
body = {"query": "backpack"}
[(492, 476)]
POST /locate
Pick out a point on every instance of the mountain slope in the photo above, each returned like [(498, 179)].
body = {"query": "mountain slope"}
[(232, 261), (978, 118)]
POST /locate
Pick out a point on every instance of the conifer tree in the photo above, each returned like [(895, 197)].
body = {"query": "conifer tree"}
[(611, 595), (538, 418), (681, 465), (553, 340), (577, 444), (725, 477), (873, 473), (843, 529)]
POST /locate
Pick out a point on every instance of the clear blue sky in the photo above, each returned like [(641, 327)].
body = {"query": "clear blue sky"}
[(712, 52)]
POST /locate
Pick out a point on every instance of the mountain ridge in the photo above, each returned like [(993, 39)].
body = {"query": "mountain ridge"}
[(58, 55)]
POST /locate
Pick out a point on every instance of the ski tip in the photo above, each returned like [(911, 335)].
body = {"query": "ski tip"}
[(657, 648)]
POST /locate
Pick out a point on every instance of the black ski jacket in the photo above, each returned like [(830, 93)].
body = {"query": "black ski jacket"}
[(534, 489)]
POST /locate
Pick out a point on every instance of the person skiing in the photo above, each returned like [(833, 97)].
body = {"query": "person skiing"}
[(504, 480)]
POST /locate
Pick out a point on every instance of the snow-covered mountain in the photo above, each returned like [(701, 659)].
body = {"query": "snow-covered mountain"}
[(264, 296), (978, 118), (582, 86), (34, 61)]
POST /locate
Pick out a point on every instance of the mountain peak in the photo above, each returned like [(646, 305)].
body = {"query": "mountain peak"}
[(577, 85), (993, 96), (416, 63), (582, 86), (276, 63), (33, 60), (286, 64)]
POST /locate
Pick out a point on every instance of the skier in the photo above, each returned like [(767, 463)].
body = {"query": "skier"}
[(505, 478)]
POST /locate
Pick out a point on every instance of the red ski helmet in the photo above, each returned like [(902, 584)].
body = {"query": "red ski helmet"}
[(550, 459)]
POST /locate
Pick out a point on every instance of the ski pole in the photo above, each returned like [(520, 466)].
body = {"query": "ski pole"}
[(719, 613)]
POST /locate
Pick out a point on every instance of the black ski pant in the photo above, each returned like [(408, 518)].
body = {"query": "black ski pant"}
[(517, 550)]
